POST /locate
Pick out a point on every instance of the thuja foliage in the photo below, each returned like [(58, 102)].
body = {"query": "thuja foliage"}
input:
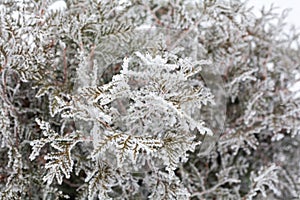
[(127, 100)]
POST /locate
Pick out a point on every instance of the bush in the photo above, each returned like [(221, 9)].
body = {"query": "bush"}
[(147, 100)]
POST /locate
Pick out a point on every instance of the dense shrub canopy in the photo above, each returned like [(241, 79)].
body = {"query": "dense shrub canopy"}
[(147, 100)]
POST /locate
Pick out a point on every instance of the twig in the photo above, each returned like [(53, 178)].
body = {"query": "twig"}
[(65, 64), (197, 194), (184, 34)]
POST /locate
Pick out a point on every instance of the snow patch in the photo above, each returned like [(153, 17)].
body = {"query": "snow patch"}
[(295, 88), (57, 6)]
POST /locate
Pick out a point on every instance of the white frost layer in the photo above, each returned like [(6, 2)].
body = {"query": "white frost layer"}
[(59, 5), (296, 89)]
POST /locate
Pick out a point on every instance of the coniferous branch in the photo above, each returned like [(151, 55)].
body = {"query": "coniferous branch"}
[(127, 94)]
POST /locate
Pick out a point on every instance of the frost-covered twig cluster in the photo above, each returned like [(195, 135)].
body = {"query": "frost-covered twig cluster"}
[(127, 99)]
